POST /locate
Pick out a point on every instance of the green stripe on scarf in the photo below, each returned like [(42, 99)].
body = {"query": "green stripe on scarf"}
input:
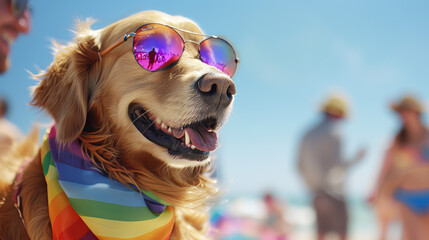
[(90, 208)]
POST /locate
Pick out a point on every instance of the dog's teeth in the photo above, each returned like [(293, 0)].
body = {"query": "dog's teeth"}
[(163, 125), (169, 129), (210, 130), (158, 121), (187, 139), (193, 146)]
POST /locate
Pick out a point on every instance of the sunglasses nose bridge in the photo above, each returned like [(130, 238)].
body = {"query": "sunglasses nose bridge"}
[(193, 43)]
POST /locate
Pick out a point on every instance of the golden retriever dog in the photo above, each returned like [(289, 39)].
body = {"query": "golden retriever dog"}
[(133, 124)]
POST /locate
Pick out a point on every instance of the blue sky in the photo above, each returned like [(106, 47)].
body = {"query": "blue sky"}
[(292, 54)]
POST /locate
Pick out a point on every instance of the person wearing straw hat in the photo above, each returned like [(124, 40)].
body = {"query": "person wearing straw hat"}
[(409, 149), (323, 167)]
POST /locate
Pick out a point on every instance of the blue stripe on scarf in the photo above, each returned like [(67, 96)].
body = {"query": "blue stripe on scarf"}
[(103, 193)]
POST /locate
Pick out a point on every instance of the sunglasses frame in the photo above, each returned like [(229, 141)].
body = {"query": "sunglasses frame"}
[(19, 12), (133, 34)]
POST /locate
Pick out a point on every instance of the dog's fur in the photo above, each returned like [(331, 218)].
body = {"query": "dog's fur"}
[(89, 99)]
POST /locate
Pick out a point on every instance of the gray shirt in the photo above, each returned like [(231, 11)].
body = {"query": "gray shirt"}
[(321, 161)]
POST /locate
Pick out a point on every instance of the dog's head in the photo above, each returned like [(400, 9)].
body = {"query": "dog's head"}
[(172, 115)]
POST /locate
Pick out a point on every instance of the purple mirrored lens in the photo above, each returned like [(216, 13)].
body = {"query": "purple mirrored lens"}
[(157, 47), (218, 53)]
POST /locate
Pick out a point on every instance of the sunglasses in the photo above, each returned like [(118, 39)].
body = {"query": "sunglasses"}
[(157, 47), (18, 7)]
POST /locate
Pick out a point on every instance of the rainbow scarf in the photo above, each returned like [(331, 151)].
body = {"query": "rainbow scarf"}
[(84, 203)]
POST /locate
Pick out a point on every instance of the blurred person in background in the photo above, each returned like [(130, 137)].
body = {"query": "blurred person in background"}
[(14, 20), (323, 167), (274, 225), (9, 133), (402, 189)]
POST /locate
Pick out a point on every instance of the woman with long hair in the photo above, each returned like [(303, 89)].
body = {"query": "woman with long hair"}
[(400, 190)]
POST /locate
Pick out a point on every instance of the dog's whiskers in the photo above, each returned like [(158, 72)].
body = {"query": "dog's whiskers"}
[(148, 127), (130, 124)]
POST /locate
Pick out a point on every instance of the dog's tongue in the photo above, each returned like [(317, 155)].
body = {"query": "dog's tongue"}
[(178, 133), (202, 139)]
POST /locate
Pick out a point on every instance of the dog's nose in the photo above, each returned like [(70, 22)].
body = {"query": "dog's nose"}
[(216, 89)]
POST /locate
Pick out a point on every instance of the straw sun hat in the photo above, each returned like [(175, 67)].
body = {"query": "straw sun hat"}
[(335, 105), (407, 103)]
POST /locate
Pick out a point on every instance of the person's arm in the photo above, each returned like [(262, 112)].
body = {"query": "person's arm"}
[(301, 158), (358, 157), (385, 169), (303, 163), (339, 154)]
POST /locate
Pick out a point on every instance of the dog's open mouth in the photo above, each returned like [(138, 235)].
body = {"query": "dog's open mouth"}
[(192, 141)]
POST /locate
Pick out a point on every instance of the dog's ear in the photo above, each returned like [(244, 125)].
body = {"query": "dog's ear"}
[(63, 88)]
